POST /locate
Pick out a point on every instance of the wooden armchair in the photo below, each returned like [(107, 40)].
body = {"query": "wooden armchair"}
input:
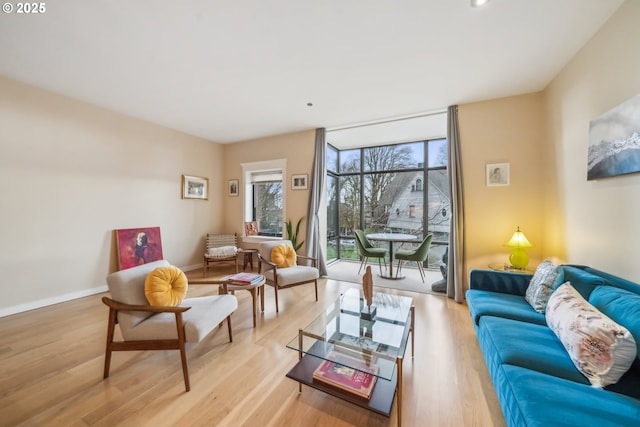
[(280, 277), (146, 327), (220, 248)]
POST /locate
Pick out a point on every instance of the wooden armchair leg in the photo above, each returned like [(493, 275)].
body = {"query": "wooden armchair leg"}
[(275, 287), (185, 369), (110, 331), (315, 283), (183, 351), (229, 327)]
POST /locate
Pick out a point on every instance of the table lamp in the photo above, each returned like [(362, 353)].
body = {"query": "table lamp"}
[(518, 258)]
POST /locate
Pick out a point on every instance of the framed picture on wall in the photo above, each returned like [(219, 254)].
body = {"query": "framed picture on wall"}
[(234, 187), (299, 182), (497, 174), (195, 187)]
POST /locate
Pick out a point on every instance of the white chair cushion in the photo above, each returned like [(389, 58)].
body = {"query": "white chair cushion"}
[(205, 314), (221, 252), (295, 274)]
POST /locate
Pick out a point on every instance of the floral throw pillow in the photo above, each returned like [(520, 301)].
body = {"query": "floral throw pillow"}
[(600, 348), (542, 283)]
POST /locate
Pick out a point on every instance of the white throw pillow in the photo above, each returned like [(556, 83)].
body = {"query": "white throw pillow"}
[(600, 348), (546, 277)]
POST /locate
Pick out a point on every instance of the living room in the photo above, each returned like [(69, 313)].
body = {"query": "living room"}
[(73, 172)]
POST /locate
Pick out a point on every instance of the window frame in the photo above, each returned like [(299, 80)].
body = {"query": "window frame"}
[(248, 170)]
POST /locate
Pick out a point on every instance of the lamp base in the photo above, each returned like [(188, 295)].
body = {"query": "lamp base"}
[(519, 259)]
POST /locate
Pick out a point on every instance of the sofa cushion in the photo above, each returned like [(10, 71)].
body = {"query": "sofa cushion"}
[(533, 399), (545, 279), (166, 286), (527, 345), (623, 307), (510, 306), (283, 255), (582, 281), (600, 348)]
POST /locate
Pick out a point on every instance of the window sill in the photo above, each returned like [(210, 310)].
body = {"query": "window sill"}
[(259, 239)]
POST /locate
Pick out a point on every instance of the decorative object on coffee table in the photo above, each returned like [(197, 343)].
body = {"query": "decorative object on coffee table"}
[(368, 312)]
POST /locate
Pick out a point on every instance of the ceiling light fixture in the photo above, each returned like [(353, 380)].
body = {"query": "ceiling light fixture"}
[(478, 3)]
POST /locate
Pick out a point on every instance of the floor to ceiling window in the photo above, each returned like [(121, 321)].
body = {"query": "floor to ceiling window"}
[(400, 188)]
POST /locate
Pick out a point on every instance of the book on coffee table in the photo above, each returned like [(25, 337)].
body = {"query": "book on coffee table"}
[(246, 278), (339, 372)]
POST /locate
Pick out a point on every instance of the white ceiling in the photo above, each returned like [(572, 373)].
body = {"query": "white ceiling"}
[(231, 70)]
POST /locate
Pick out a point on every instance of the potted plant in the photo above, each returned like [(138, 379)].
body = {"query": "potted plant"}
[(293, 234)]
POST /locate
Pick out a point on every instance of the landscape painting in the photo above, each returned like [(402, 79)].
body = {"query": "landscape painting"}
[(138, 246), (614, 141)]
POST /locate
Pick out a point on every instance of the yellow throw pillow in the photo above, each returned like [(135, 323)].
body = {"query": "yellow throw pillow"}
[(283, 256), (166, 286)]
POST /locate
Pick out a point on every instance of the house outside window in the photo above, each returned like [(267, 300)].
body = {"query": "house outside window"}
[(395, 188)]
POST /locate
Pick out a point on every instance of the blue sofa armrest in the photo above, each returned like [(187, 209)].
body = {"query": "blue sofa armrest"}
[(499, 281)]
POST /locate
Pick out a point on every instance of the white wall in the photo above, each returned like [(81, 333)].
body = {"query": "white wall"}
[(70, 174), (593, 222)]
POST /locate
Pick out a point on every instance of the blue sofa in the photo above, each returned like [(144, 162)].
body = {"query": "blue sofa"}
[(536, 382)]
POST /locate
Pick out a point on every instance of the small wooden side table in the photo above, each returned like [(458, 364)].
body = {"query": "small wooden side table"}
[(247, 257), (228, 286)]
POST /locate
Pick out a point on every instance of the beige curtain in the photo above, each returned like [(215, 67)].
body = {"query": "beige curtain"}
[(314, 248), (456, 266)]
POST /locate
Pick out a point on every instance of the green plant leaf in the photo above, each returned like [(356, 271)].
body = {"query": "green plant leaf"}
[(293, 236)]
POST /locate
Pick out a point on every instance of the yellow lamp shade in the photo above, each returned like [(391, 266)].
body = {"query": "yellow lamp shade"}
[(519, 258)]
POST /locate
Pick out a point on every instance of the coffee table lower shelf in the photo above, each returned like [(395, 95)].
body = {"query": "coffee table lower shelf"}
[(381, 399)]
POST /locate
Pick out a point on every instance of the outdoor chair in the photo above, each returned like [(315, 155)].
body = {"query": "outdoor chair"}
[(367, 250), (419, 255), (279, 263)]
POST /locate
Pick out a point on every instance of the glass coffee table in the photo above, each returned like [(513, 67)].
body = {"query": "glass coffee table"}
[(357, 346)]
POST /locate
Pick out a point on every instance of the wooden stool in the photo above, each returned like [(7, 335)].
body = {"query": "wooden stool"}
[(247, 258)]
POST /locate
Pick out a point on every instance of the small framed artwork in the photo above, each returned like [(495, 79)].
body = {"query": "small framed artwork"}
[(234, 187), (299, 182), (195, 187), (251, 228), (497, 174)]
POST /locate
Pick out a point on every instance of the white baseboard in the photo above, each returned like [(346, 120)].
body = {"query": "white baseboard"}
[(8, 311)]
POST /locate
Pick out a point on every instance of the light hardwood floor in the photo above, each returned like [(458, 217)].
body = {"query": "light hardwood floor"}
[(51, 362)]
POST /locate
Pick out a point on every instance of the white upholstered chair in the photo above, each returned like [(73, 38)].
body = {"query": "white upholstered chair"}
[(146, 327), (281, 278)]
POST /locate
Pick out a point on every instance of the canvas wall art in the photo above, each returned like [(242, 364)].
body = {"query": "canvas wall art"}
[(614, 141), (137, 246)]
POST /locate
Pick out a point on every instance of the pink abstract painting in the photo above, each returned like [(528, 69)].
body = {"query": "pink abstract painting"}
[(138, 246)]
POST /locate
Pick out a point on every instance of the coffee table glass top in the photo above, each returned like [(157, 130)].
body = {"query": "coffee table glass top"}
[(341, 329)]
